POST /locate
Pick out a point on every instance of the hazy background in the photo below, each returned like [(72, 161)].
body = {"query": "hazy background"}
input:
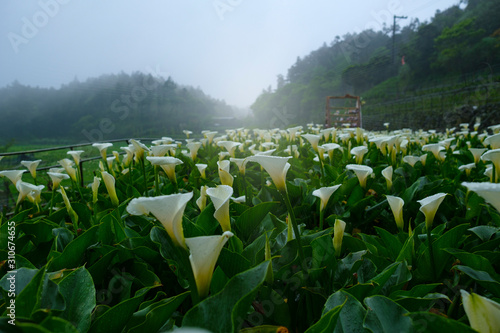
[(231, 49)]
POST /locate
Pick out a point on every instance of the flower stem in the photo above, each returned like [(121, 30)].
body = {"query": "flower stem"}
[(321, 219), (295, 227), (144, 176), (431, 254), (157, 181)]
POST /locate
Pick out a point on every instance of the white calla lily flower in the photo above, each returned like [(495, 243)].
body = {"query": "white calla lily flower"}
[(483, 313), (109, 182), (276, 167), (31, 166), (205, 251), (387, 173), (225, 177), (167, 163), (493, 141), (488, 191), (324, 193), (67, 164), (494, 157), (57, 178), (201, 168), (202, 200), (230, 146), (396, 205), (76, 154), (313, 140), (429, 207), (361, 171), (193, 149), (168, 209), (102, 148), (220, 196), (359, 152), (13, 175), (95, 188), (338, 235)]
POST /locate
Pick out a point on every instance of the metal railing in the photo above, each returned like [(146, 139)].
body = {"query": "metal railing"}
[(4, 197)]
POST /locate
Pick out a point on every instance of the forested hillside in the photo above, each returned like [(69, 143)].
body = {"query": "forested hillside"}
[(456, 46), (107, 107)]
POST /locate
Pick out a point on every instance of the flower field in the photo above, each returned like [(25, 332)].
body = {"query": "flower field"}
[(297, 230)]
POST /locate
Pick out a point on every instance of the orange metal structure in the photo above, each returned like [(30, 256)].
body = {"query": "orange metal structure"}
[(341, 115)]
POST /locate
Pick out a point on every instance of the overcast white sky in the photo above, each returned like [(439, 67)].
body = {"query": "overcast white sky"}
[(231, 49)]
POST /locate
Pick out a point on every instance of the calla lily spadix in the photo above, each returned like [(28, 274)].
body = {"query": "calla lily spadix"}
[(13, 175), (324, 193), (102, 148), (429, 207), (488, 191), (204, 252), (31, 166), (225, 177), (168, 209), (361, 171), (338, 235), (276, 167), (483, 313), (396, 205), (57, 178), (109, 182), (220, 196), (494, 157)]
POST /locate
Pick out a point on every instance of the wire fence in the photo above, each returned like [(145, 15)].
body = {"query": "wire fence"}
[(12, 160)]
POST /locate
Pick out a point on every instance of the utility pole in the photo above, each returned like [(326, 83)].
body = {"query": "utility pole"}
[(394, 36)]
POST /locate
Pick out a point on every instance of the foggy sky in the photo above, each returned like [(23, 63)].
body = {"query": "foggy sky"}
[(231, 49)]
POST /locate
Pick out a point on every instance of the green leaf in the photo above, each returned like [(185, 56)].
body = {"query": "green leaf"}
[(154, 316), (22, 278), (207, 221), (62, 238), (352, 314), (74, 253), (384, 315), (57, 324), (249, 221), (323, 253), (115, 319), (79, 293), (39, 293), (484, 232), (483, 278), (421, 303), (232, 263), (391, 242), (432, 323), (227, 310), (474, 261), (327, 322)]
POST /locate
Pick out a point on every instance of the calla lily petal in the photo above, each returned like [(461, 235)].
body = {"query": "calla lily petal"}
[(220, 196), (109, 181), (429, 207), (31, 166), (205, 251), (488, 191), (387, 173), (276, 167), (483, 313), (361, 171), (168, 209), (57, 178), (396, 205), (338, 235), (324, 193), (13, 175)]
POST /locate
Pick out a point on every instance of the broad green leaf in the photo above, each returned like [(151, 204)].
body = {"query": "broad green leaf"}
[(232, 263), (482, 278), (484, 232), (115, 319), (421, 303), (74, 253), (154, 316), (57, 324), (207, 221), (227, 310), (384, 315), (327, 322), (62, 238), (352, 314), (78, 291), (432, 323), (249, 221), (323, 253), (21, 278), (391, 242), (474, 261)]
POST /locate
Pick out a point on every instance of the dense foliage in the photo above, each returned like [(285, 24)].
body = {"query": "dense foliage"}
[(456, 46), (264, 231)]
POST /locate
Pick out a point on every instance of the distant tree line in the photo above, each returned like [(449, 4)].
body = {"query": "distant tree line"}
[(453, 44), (107, 107)]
